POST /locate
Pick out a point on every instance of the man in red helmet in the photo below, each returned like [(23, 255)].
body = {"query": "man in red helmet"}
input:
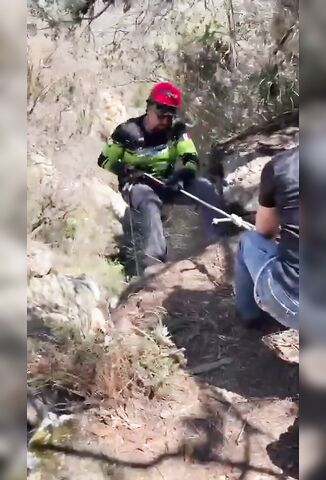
[(154, 143)]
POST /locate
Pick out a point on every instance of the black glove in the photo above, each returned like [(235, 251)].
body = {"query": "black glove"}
[(180, 178), (175, 187), (120, 168), (127, 172)]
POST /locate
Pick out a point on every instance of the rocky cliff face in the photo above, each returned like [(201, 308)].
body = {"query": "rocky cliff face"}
[(71, 234)]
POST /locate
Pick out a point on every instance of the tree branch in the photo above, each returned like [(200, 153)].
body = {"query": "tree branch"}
[(98, 14)]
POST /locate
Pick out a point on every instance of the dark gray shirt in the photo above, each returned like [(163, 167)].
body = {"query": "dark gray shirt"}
[(280, 189)]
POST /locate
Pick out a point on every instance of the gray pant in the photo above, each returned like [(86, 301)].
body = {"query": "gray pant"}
[(148, 200)]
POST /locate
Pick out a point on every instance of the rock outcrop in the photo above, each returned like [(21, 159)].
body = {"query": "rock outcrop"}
[(58, 299), (241, 163), (40, 259), (70, 238)]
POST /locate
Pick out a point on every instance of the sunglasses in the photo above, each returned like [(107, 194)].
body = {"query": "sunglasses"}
[(165, 111)]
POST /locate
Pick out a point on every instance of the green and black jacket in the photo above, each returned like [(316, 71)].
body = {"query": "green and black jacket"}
[(154, 153)]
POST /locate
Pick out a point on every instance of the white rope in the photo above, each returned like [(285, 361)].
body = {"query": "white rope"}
[(229, 217), (238, 221)]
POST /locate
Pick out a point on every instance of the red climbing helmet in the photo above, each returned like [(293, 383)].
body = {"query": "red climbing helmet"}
[(167, 94)]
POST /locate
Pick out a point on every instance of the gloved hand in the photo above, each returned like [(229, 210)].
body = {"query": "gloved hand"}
[(120, 168), (125, 171), (175, 186), (179, 178)]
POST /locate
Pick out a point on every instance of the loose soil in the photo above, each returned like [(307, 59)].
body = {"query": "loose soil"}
[(230, 413)]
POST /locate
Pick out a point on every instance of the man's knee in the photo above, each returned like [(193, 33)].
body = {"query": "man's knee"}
[(207, 191), (250, 241), (141, 194), (203, 188), (202, 183)]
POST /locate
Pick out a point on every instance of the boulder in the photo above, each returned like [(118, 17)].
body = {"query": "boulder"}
[(39, 259), (109, 113), (42, 183), (241, 162), (105, 196), (243, 183), (59, 299)]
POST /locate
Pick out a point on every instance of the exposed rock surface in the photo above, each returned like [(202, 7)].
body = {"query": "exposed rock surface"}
[(243, 160), (40, 259), (64, 299)]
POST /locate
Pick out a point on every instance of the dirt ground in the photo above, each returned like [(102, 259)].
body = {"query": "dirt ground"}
[(230, 413), (235, 419)]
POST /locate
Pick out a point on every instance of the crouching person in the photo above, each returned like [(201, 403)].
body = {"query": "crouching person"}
[(154, 143), (266, 269)]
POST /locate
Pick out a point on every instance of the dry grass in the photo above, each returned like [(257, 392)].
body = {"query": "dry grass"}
[(113, 369), (36, 89)]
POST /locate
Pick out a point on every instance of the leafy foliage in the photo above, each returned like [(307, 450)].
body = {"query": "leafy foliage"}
[(237, 73)]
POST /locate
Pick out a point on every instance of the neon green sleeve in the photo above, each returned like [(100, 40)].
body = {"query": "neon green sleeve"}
[(187, 151), (112, 152)]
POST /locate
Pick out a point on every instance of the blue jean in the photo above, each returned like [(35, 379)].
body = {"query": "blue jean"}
[(255, 287)]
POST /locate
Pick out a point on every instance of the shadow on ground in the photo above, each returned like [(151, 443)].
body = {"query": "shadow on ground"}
[(284, 452), (211, 332), (247, 402)]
